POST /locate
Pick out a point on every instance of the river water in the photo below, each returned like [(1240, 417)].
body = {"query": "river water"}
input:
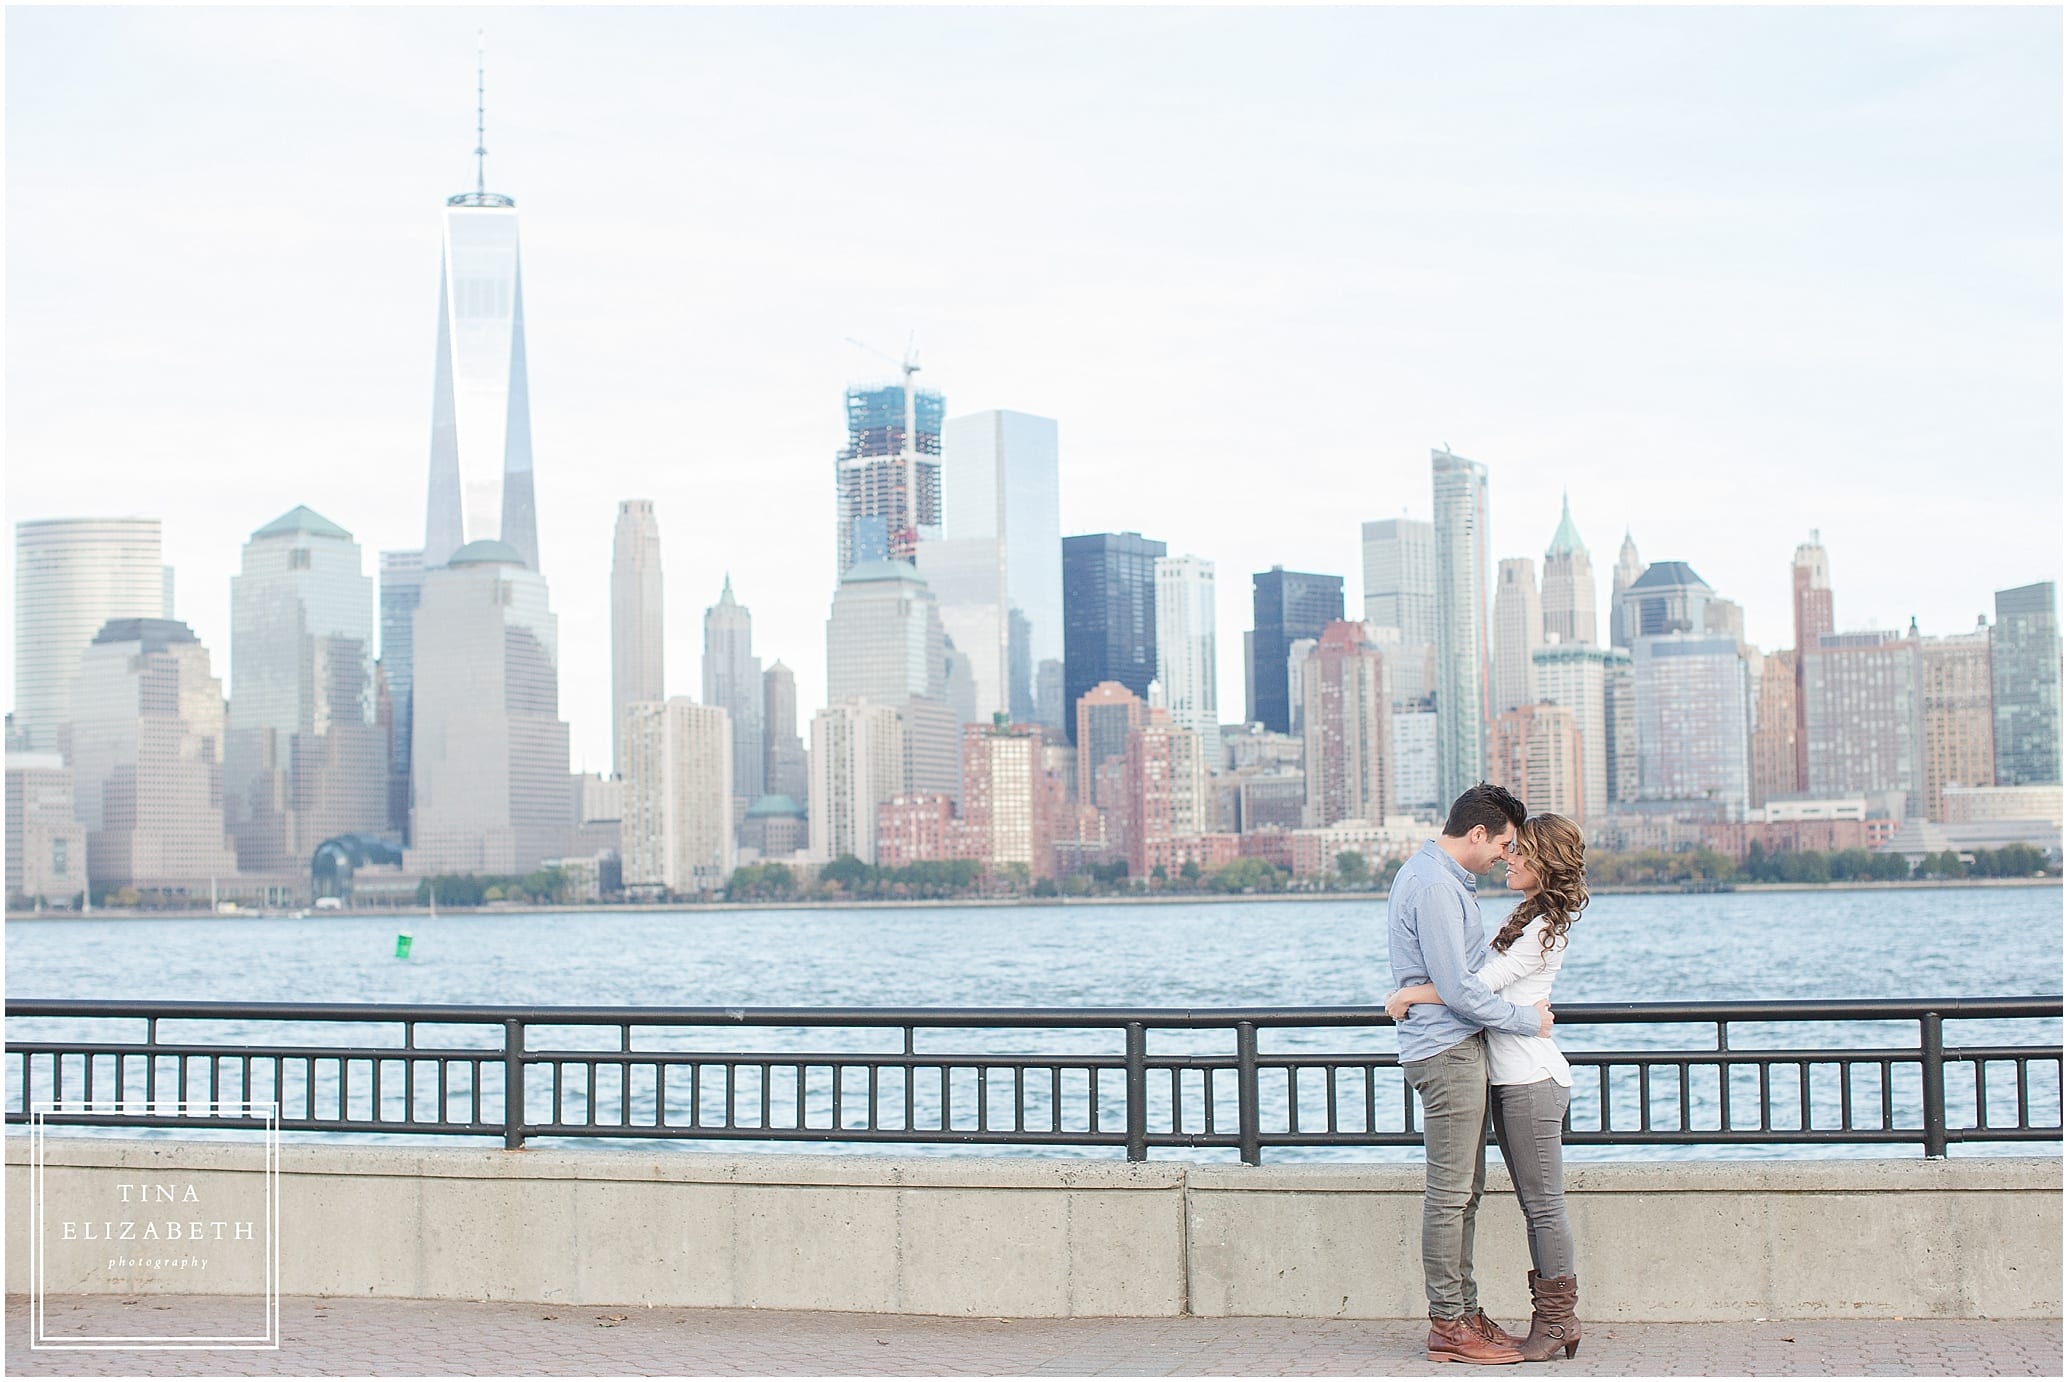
[(1879, 943)]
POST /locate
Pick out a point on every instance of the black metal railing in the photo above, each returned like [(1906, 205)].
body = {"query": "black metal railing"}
[(529, 1072)]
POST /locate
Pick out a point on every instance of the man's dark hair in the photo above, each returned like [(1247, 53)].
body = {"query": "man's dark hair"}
[(1496, 808)]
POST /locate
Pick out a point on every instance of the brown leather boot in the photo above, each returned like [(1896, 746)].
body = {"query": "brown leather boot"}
[(1491, 1332), (1456, 1341), (1552, 1324)]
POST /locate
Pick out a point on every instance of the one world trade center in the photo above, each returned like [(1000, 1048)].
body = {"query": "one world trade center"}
[(481, 483)]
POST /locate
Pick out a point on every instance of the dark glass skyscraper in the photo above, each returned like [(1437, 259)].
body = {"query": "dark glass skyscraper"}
[(2025, 667), (1109, 615), (1287, 606)]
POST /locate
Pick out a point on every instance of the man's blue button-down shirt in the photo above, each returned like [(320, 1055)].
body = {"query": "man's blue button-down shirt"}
[(1434, 935)]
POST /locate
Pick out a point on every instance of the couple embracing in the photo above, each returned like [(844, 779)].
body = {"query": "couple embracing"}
[(1475, 1034)]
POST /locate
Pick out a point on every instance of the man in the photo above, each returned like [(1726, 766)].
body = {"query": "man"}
[(1435, 936)]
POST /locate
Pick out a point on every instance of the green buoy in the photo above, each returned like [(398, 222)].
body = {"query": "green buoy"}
[(402, 939)]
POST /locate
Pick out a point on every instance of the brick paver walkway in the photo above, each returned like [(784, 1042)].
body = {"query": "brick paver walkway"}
[(384, 1338)]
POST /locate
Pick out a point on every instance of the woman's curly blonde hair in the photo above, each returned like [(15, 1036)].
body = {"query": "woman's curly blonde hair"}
[(1557, 852)]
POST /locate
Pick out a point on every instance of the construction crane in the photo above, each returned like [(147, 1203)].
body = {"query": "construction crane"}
[(908, 367)]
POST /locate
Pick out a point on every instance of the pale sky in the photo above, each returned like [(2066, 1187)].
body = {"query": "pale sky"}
[(1726, 275)]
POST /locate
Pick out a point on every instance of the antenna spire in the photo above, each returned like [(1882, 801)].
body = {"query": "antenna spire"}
[(480, 112)]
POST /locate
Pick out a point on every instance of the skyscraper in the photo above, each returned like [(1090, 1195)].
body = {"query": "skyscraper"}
[(1165, 794), (1538, 755), (1668, 598), (1285, 606), (887, 481), (857, 761), (1568, 584), (1463, 566), (1400, 577), (1517, 633), (1693, 706), (636, 658), (1576, 676), (147, 736), (678, 835), (786, 768), (1400, 593), (997, 568), (1185, 649), (72, 575), (1109, 615), (1627, 569), (305, 759), (1106, 715), (1005, 809), (732, 678), (2025, 667), (1348, 728), (1619, 709), (1810, 577), (1774, 728), (46, 845), (481, 475), (402, 588), (489, 770), (1959, 728), (884, 637), (885, 646), (1865, 714)]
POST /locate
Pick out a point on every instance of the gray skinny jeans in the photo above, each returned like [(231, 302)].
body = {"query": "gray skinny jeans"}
[(1452, 1085), (1529, 1123)]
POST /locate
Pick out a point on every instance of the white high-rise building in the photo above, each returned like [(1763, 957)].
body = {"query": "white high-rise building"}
[(677, 823), (490, 773), (71, 576), (857, 764), (732, 678), (1185, 661), (1414, 764), (636, 660), (1400, 577), (1575, 675), (147, 737), (481, 478), (305, 758), (884, 637), (997, 567), (1400, 593), (1463, 566), (1518, 632), (46, 845)]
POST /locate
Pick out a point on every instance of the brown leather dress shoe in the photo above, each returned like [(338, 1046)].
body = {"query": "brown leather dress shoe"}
[(1457, 1341)]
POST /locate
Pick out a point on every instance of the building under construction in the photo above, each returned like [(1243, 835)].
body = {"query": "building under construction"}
[(888, 478)]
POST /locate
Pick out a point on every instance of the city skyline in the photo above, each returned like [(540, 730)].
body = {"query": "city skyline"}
[(1792, 391)]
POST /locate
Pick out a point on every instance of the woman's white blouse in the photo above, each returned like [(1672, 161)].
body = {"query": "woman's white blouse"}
[(1523, 975)]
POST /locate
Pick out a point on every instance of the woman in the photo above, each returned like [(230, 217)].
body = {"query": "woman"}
[(1532, 1083)]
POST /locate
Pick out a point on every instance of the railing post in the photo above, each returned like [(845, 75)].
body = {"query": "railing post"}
[(1932, 1053), (1247, 1120), (1137, 1092), (513, 1084)]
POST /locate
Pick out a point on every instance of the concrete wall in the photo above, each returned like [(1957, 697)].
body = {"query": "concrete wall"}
[(1049, 1237)]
